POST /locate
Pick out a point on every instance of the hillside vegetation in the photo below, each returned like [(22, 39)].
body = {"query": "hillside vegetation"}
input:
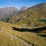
[(10, 37)]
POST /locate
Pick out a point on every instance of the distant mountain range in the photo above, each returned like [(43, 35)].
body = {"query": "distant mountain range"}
[(12, 13), (35, 12), (8, 12), (23, 8)]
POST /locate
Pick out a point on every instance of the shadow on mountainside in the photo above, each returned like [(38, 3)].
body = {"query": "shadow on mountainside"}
[(36, 30), (30, 30)]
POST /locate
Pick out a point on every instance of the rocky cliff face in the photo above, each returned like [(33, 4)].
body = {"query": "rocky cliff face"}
[(8, 12)]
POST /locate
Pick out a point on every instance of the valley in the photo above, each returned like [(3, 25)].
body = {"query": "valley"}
[(23, 27)]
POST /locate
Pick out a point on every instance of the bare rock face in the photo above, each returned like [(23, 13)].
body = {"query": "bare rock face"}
[(23, 8), (7, 12)]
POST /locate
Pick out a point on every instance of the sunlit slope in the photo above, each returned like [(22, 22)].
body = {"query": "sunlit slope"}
[(8, 36), (35, 13), (23, 22), (29, 23)]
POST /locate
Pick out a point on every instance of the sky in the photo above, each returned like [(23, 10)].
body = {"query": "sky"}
[(20, 3)]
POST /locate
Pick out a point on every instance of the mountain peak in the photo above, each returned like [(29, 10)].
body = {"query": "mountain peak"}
[(43, 3), (14, 7), (23, 8)]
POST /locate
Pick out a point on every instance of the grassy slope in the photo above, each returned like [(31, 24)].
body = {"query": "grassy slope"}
[(34, 13), (27, 36)]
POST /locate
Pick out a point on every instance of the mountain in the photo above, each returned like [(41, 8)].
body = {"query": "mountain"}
[(35, 12), (23, 8), (7, 12), (31, 15), (28, 28)]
